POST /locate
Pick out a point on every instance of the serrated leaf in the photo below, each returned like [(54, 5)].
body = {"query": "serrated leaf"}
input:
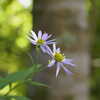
[(18, 76)]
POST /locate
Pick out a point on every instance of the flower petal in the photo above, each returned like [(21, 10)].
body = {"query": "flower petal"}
[(54, 47), (44, 37), (58, 50), (53, 40), (49, 50), (34, 35), (49, 36), (50, 42), (58, 69), (66, 70), (31, 40), (69, 62), (51, 63), (40, 34), (43, 48)]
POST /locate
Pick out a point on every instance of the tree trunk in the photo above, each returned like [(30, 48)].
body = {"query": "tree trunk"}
[(68, 21)]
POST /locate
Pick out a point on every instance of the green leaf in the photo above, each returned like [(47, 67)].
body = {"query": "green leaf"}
[(18, 76), (13, 97), (34, 83), (1, 79)]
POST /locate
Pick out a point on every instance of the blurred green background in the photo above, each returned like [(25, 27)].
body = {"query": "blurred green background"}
[(15, 24)]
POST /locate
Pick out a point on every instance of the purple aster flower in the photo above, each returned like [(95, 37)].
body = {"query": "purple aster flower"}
[(41, 40), (60, 60)]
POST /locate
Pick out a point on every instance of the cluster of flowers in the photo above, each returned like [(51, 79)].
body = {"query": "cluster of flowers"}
[(57, 58)]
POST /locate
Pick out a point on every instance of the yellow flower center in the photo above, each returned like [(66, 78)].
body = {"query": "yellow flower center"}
[(40, 42), (59, 57)]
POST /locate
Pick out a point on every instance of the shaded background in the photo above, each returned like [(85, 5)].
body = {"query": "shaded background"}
[(75, 23)]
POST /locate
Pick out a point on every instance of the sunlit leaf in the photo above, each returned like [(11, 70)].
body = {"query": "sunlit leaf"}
[(13, 98), (18, 76)]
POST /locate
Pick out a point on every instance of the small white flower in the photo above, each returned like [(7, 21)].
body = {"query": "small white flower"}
[(59, 59), (41, 40)]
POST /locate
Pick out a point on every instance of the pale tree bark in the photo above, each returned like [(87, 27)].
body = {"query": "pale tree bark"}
[(65, 19)]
